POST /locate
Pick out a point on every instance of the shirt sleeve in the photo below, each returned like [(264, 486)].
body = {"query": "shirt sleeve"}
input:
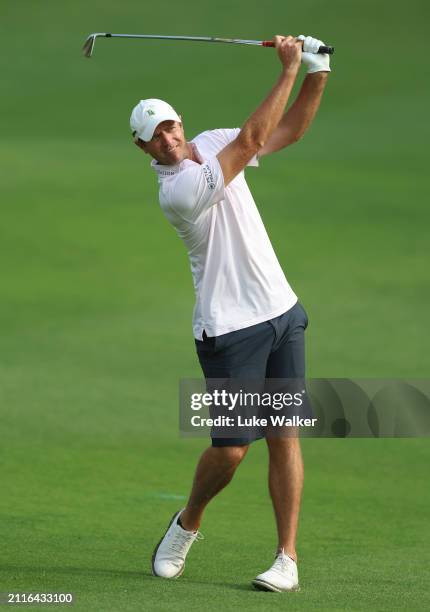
[(196, 189), (227, 135)]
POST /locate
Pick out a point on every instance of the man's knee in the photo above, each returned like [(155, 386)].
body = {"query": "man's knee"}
[(232, 455), (284, 444)]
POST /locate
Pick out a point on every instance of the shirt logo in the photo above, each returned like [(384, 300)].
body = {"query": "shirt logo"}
[(209, 176)]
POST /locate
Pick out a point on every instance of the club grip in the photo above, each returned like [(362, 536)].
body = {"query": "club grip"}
[(323, 49)]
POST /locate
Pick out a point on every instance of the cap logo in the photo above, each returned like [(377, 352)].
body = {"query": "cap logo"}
[(150, 112)]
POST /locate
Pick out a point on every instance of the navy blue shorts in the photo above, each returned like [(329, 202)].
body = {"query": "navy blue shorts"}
[(268, 350)]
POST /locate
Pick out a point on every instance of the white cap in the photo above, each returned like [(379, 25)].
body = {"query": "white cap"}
[(148, 114)]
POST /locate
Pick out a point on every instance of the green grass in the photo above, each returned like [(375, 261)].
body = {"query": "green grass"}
[(96, 300), (96, 504)]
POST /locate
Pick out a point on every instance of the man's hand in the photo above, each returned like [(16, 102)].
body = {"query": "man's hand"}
[(289, 51), (316, 62)]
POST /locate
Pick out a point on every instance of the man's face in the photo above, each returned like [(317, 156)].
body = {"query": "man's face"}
[(168, 144)]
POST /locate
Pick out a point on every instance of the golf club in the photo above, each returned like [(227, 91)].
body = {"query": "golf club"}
[(88, 47)]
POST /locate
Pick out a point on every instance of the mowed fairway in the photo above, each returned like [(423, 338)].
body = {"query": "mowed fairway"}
[(96, 300)]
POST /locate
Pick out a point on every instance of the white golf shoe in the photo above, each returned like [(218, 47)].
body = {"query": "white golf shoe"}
[(168, 558), (282, 576)]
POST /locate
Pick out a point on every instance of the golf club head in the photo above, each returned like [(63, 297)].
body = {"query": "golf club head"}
[(88, 47)]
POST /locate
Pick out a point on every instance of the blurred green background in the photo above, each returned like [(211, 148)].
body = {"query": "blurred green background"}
[(96, 300)]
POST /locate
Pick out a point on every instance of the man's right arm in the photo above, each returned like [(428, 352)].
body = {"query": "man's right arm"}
[(260, 125)]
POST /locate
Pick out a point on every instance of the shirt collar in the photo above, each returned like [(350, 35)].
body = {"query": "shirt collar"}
[(164, 171)]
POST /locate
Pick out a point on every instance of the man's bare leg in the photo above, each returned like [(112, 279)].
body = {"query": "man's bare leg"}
[(285, 485), (214, 471)]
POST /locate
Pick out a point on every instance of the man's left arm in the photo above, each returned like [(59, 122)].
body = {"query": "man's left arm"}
[(300, 115)]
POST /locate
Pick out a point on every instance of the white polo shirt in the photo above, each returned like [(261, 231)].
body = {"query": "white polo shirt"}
[(237, 277)]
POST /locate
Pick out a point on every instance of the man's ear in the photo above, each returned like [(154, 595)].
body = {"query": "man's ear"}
[(141, 144)]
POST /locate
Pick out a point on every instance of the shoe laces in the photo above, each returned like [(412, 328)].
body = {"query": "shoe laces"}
[(283, 562), (182, 540)]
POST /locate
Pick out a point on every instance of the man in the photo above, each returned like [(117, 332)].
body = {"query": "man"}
[(247, 321)]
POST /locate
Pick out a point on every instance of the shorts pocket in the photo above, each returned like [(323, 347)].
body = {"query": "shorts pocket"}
[(305, 316), (205, 346), (220, 342)]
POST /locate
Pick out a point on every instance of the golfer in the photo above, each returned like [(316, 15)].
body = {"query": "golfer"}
[(247, 321)]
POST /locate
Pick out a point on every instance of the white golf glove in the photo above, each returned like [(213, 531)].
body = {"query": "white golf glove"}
[(316, 62)]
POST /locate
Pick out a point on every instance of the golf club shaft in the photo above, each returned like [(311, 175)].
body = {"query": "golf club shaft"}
[(89, 44)]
